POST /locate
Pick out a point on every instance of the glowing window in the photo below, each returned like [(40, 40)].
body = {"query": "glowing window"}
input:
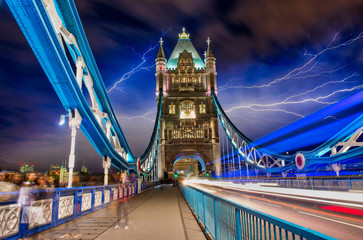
[(202, 108), (187, 109), (171, 108)]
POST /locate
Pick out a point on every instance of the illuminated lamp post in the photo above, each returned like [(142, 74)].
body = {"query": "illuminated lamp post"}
[(74, 123)]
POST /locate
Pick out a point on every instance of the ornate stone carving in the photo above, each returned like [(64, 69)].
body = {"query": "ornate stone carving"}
[(65, 207), (115, 193), (86, 201), (9, 220), (40, 213), (107, 196), (98, 198)]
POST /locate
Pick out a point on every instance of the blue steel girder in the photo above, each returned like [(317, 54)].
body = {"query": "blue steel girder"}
[(69, 15), (326, 153), (267, 161), (37, 28), (148, 158)]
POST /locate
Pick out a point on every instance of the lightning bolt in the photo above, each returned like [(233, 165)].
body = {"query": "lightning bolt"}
[(310, 69), (140, 66), (323, 85), (140, 116), (136, 69), (285, 102), (307, 67)]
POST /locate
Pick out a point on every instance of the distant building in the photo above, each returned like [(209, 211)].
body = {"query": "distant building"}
[(54, 169), (26, 167), (84, 168), (63, 176)]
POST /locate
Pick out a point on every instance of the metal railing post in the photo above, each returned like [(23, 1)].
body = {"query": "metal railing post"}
[(204, 220), (238, 233), (215, 219)]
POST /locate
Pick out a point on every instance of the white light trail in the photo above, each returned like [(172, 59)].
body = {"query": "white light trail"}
[(348, 199)]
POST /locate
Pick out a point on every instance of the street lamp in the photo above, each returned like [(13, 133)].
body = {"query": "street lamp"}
[(62, 119), (74, 123)]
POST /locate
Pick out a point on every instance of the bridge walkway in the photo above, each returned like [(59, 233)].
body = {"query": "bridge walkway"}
[(158, 213)]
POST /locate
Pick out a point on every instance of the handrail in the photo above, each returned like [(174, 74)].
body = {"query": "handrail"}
[(60, 205), (224, 219)]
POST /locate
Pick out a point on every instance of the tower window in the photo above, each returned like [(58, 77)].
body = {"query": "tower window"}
[(202, 108), (187, 110), (171, 108)]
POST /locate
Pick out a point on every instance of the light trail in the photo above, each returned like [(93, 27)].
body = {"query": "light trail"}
[(343, 197), (331, 197)]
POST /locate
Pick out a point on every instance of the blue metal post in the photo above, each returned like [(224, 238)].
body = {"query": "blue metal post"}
[(238, 224), (215, 219), (204, 220)]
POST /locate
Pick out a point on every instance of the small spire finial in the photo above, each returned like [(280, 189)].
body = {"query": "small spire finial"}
[(205, 54), (161, 41), (183, 35), (208, 41)]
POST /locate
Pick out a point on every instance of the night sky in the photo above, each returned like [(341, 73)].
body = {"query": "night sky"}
[(277, 61)]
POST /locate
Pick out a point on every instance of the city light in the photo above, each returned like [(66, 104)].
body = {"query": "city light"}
[(62, 119)]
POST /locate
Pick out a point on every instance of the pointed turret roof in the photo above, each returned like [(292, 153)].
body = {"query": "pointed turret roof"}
[(184, 43), (161, 50), (209, 49)]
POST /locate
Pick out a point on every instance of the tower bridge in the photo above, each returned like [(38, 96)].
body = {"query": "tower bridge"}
[(189, 124), (192, 135)]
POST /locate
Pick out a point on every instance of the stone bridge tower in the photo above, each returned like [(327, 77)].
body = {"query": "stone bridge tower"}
[(189, 124)]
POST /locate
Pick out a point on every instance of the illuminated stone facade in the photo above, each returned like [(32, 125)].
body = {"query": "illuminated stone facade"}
[(189, 125)]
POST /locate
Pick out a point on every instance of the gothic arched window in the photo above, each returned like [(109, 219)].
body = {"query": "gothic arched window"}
[(187, 109)]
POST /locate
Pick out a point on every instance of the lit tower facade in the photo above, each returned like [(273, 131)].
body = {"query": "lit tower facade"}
[(189, 124)]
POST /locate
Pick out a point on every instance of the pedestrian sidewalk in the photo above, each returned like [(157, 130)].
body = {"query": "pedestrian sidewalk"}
[(159, 213)]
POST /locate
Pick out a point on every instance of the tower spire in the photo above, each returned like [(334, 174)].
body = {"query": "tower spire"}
[(209, 49), (161, 50)]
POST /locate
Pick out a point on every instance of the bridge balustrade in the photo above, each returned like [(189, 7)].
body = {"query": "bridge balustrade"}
[(53, 207), (223, 219)]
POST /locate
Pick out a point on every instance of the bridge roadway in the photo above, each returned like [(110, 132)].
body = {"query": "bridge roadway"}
[(158, 213), (307, 214)]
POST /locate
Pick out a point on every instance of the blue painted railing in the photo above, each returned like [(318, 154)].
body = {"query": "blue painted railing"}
[(223, 219), (52, 207)]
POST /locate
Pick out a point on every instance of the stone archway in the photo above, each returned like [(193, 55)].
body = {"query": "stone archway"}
[(195, 163), (190, 165)]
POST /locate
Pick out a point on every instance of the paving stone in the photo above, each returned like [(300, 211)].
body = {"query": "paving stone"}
[(159, 213)]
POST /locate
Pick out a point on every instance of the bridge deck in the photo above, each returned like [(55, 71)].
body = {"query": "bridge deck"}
[(159, 213)]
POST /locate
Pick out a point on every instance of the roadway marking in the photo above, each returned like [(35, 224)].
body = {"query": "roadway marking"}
[(357, 226)]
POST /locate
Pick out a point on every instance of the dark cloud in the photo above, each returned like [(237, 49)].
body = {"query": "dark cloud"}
[(254, 41)]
